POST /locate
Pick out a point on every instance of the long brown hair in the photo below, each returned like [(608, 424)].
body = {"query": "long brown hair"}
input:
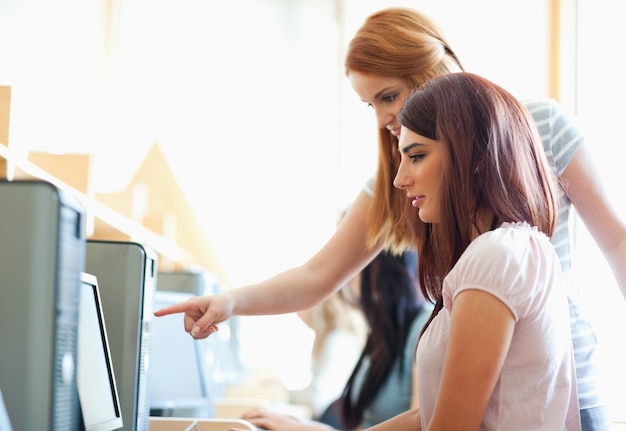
[(494, 162), (405, 44)]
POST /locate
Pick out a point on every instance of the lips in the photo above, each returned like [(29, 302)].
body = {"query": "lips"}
[(416, 200), (395, 131)]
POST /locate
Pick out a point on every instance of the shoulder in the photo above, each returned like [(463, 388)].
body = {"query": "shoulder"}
[(559, 132), (541, 107), (512, 243), (512, 262), (506, 256), (546, 111), (548, 114)]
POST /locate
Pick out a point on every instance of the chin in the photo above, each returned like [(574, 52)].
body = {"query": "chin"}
[(425, 217)]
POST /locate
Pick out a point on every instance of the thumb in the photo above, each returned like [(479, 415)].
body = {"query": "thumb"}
[(203, 327)]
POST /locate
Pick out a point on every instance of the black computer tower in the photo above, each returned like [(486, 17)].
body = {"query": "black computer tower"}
[(42, 255)]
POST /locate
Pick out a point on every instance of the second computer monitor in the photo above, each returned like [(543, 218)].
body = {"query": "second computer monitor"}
[(126, 273), (194, 282)]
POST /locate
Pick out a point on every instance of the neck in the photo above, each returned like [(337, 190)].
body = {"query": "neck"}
[(486, 221)]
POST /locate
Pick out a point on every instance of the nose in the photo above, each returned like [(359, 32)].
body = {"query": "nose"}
[(401, 180), (384, 117)]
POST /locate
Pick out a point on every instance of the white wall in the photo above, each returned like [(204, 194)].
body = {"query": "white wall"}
[(242, 96), (600, 91)]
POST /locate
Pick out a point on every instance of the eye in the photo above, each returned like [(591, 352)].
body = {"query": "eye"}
[(416, 157), (391, 98)]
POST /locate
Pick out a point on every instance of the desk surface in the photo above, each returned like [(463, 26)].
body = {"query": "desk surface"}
[(182, 424)]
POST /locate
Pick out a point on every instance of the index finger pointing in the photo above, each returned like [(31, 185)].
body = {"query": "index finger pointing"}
[(181, 307)]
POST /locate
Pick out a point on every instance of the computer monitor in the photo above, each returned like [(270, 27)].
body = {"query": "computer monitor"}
[(178, 365), (97, 390), (126, 273), (194, 282), (203, 367), (5, 422), (42, 254)]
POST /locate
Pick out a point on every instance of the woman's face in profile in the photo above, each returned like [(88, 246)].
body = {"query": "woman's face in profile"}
[(385, 95), (420, 173)]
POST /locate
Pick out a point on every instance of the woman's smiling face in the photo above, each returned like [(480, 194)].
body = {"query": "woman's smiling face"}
[(385, 95)]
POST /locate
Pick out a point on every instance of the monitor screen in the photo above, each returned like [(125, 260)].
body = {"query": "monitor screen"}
[(184, 392), (97, 390), (5, 423)]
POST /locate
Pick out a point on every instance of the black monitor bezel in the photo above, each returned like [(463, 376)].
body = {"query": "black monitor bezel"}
[(91, 281)]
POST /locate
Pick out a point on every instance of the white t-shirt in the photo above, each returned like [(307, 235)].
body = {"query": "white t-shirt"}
[(537, 387)]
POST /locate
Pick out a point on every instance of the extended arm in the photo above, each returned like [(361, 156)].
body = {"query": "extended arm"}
[(583, 186), (344, 255)]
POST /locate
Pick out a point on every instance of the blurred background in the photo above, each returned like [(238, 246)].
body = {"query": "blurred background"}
[(249, 103)]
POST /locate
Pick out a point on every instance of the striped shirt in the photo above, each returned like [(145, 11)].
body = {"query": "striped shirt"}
[(561, 138)]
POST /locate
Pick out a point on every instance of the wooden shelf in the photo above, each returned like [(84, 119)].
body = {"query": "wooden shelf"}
[(152, 210), (128, 228)]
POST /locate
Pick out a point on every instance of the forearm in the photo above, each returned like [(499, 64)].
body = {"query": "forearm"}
[(407, 421), (617, 262), (601, 218), (292, 290), (343, 256), (299, 288)]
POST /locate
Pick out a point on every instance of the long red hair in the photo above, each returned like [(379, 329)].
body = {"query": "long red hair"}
[(400, 43)]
